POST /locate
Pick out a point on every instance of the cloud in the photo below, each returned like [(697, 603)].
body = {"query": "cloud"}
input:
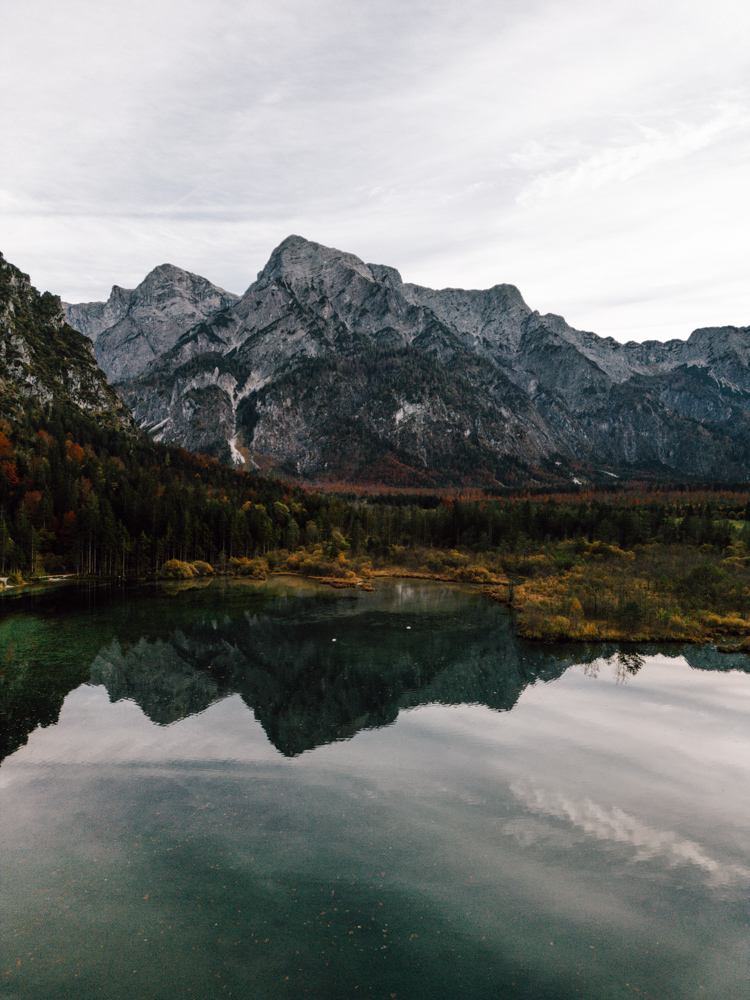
[(463, 145), (616, 825), (621, 163)]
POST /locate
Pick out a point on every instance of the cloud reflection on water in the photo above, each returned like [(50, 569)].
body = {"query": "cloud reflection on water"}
[(616, 825), (550, 805)]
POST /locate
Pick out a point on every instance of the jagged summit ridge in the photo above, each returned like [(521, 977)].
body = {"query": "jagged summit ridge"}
[(144, 323), (330, 367), (296, 259), (91, 318)]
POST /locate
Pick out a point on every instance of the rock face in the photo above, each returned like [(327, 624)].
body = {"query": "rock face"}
[(92, 318), (132, 328), (44, 360), (330, 368)]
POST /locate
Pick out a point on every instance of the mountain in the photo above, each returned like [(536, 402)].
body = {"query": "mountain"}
[(274, 650), (307, 692), (43, 359), (330, 368), (133, 327), (303, 689), (92, 318)]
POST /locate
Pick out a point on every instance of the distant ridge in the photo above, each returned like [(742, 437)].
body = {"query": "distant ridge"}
[(331, 368)]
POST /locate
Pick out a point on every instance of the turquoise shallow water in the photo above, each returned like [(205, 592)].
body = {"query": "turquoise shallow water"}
[(282, 791)]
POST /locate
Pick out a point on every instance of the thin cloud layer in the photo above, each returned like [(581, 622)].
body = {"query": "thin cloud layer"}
[(617, 164), (595, 155)]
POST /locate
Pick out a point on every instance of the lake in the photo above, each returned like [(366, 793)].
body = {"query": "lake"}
[(280, 790)]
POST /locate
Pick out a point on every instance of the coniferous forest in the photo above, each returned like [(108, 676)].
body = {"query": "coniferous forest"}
[(636, 561), (78, 497), (641, 561)]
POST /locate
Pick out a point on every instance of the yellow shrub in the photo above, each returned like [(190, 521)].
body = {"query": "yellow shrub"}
[(256, 568), (555, 627), (175, 569), (733, 623), (472, 574)]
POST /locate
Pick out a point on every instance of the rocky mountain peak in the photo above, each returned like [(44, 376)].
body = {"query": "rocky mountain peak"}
[(300, 263), (721, 340), (488, 319), (724, 350), (330, 367), (133, 328), (386, 275), (169, 290), (92, 318)]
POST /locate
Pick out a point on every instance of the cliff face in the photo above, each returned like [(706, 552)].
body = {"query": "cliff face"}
[(43, 359), (133, 327), (92, 318), (335, 369)]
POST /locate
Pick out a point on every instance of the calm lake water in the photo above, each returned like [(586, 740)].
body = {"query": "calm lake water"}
[(280, 791)]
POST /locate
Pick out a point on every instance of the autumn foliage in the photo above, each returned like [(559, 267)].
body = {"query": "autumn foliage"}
[(625, 561)]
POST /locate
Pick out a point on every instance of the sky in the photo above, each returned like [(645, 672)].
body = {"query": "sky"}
[(595, 155)]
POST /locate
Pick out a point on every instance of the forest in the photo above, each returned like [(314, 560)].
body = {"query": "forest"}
[(636, 560)]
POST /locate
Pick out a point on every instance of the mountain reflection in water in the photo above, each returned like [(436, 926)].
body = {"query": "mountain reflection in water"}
[(311, 679), (313, 667), (592, 842)]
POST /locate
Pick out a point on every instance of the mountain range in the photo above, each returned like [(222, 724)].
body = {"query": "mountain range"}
[(329, 368)]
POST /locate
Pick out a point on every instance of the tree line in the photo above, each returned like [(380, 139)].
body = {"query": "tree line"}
[(76, 496)]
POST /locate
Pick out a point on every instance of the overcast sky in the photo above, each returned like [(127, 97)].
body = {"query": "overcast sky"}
[(595, 154)]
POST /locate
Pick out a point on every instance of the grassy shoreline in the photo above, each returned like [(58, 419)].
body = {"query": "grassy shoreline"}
[(573, 591)]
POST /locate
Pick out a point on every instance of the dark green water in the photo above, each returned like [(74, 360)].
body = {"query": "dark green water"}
[(269, 791)]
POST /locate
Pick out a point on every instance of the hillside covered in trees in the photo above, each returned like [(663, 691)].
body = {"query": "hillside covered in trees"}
[(634, 563), (76, 496)]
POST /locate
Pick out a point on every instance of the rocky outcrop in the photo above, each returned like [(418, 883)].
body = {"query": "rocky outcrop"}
[(132, 328), (44, 360), (92, 318), (331, 368)]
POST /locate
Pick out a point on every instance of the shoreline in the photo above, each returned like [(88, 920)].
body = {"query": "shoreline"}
[(533, 623)]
